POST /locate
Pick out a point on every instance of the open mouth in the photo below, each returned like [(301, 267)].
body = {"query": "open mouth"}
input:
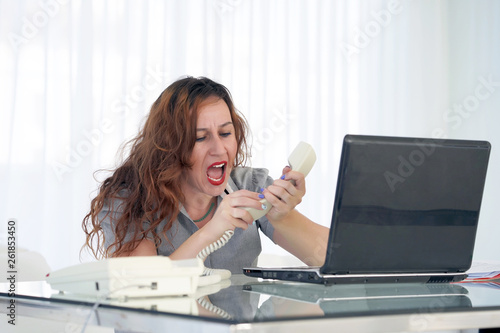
[(216, 173)]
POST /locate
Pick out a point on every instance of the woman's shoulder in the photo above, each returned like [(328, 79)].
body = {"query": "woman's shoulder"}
[(117, 201), (252, 179)]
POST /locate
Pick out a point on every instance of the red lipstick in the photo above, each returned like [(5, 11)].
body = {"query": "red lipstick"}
[(216, 173)]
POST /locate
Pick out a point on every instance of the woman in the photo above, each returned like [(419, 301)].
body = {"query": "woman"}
[(183, 185)]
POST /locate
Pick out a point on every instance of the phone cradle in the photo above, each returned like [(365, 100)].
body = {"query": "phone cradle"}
[(130, 276)]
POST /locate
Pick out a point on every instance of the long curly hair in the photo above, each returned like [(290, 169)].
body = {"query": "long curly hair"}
[(151, 174)]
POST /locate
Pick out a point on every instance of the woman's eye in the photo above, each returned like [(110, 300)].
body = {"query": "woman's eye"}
[(200, 139), (225, 134)]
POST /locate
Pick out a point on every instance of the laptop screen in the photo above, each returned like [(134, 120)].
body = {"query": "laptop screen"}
[(406, 205)]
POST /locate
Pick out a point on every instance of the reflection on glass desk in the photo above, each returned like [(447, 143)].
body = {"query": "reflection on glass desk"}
[(247, 304)]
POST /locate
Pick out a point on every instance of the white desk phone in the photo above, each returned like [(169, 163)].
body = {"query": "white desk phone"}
[(159, 275)]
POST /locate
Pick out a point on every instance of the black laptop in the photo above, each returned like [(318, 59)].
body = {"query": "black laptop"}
[(405, 210)]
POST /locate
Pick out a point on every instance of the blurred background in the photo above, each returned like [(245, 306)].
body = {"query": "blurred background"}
[(78, 78)]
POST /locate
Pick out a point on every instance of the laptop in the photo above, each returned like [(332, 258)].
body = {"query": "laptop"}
[(405, 210)]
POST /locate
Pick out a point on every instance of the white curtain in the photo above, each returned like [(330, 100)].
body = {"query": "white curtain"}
[(78, 78)]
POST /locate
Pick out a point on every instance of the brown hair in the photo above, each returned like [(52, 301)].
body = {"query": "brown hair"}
[(151, 174)]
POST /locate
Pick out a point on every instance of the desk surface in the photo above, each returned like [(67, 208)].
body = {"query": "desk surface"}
[(246, 304)]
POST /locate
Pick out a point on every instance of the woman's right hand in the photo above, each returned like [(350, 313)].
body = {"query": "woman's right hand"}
[(231, 213)]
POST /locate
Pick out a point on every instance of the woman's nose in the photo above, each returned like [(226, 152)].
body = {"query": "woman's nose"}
[(218, 147)]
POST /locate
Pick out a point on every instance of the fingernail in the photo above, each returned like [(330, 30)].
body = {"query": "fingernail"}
[(282, 177), (261, 196), (264, 206), (262, 189)]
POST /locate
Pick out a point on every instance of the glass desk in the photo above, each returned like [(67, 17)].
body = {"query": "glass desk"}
[(247, 304)]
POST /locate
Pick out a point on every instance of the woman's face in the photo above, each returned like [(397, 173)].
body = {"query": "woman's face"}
[(214, 151)]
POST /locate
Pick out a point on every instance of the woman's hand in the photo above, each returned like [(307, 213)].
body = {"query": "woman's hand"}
[(230, 213), (285, 194)]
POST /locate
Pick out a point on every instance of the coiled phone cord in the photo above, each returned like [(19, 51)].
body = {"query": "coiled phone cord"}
[(224, 273), (213, 308)]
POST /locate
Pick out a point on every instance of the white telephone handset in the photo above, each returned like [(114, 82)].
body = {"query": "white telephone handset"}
[(301, 159)]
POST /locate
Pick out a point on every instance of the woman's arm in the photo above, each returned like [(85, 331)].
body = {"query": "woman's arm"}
[(145, 248), (303, 238), (189, 249), (293, 231)]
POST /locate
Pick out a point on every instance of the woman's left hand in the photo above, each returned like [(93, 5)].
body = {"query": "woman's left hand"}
[(284, 194)]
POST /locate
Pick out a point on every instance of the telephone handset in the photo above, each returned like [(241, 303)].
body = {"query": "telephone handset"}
[(301, 159)]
